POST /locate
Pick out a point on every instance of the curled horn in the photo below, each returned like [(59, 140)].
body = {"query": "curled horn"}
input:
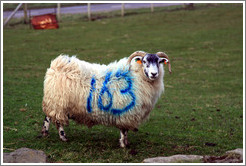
[(163, 55), (137, 53)]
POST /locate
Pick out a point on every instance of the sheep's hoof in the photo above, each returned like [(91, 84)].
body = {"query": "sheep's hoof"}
[(124, 143), (44, 133), (64, 139), (39, 136)]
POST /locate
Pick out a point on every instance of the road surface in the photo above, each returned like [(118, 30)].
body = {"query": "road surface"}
[(83, 9)]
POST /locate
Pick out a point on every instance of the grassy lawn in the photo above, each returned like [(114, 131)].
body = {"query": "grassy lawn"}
[(203, 100)]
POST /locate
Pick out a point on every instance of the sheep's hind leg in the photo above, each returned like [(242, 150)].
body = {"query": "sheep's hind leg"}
[(123, 138), (61, 131), (46, 125)]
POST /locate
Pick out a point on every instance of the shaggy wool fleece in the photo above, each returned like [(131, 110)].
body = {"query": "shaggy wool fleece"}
[(91, 94)]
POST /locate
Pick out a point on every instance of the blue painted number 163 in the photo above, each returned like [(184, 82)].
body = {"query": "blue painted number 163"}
[(127, 91)]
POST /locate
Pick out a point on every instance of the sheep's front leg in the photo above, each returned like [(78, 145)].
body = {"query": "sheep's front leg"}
[(46, 125), (123, 138), (61, 131)]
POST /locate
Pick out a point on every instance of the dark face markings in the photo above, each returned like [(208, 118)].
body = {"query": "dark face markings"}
[(151, 66), (146, 73), (152, 58)]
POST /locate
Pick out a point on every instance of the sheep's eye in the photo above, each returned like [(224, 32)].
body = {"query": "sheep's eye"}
[(138, 60), (144, 61), (162, 61)]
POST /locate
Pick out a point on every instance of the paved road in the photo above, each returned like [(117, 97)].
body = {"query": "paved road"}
[(94, 8)]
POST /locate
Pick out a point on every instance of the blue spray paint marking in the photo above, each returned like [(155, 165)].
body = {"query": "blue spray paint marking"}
[(125, 75), (105, 90), (93, 82), (128, 90)]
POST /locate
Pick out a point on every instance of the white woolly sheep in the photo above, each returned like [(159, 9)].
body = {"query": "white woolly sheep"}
[(120, 94)]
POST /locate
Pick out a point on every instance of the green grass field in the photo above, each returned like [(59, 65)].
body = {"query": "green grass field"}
[(203, 100)]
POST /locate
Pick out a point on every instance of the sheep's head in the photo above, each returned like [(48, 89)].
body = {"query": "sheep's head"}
[(150, 62)]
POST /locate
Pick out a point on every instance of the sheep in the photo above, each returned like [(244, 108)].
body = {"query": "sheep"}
[(120, 94)]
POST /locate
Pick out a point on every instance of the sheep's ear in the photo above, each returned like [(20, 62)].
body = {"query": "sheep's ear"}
[(163, 60)]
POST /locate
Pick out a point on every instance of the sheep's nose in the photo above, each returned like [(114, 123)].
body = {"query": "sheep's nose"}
[(153, 74)]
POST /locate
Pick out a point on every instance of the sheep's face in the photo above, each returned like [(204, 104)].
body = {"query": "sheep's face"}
[(151, 64)]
